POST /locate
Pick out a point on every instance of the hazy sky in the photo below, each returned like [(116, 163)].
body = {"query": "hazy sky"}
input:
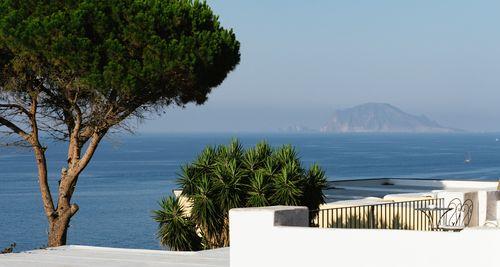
[(301, 60)]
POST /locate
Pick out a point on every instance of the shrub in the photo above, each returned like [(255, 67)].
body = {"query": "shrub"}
[(230, 176)]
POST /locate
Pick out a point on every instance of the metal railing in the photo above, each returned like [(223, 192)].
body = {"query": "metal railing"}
[(395, 215)]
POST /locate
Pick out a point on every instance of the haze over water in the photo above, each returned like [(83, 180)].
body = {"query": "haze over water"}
[(301, 60), (128, 175)]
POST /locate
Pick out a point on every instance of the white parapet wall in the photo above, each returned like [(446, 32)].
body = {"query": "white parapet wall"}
[(447, 184), (280, 236)]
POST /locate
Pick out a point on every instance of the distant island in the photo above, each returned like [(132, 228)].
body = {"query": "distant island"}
[(381, 118), (297, 129)]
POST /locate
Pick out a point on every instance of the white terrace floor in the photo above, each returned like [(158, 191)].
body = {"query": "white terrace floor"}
[(86, 256)]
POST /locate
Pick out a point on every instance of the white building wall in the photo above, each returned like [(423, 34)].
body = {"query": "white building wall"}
[(260, 237)]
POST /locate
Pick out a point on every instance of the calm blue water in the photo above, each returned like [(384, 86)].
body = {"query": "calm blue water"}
[(129, 174)]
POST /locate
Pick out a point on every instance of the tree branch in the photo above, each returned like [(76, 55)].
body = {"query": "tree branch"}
[(48, 202), (74, 140), (15, 129), (94, 142), (68, 184), (15, 106)]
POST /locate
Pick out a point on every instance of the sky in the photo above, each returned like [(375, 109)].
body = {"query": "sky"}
[(302, 60)]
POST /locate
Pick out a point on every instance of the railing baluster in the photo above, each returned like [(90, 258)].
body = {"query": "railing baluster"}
[(367, 218), (330, 220), (344, 218), (414, 220), (337, 218), (407, 218), (427, 223), (351, 220), (385, 215)]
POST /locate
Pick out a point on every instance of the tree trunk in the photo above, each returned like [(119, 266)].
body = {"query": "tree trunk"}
[(58, 225), (58, 229), (59, 216)]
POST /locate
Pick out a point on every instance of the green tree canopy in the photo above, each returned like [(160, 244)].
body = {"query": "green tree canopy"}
[(125, 53), (226, 177), (77, 69)]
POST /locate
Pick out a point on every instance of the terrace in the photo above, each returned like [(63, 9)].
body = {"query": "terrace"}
[(280, 236), (408, 204), (382, 229), (375, 222)]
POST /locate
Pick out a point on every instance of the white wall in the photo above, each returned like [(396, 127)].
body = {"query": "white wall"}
[(260, 237), (493, 208), (447, 184)]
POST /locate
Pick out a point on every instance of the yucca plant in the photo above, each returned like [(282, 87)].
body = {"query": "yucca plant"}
[(314, 184), (259, 191), (287, 189), (230, 176), (175, 229)]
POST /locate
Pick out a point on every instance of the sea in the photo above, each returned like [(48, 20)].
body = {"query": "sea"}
[(129, 174)]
